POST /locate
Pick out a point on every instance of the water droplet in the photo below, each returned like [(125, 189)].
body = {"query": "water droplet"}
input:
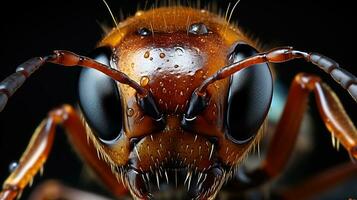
[(144, 81), (162, 55), (130, 112), (176, 66), (164, 90), (147, 54), (180, 51), (181, 93), (139, 13), (144, 32), (115, 58), (161, 84), (197, 50), (151, 58), (160, 101), (12, 166)]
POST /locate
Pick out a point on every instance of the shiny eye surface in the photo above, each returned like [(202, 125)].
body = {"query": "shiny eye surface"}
[(198, 29), (144, 32), (249, 97), (99, 99)]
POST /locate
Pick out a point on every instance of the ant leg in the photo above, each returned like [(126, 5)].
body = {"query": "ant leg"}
[(319, 183), (36, 154), (57, 191), (282, 144)]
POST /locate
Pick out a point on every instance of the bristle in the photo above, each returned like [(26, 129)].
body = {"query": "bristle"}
[(187, 24), (258, 148), (226, 15), (333, 140), (199, 178), (41, 170), (230, 16), (337, 145), (167, 177), (157, 180), (146, 5), (189, 182), (137, 153), (99, 148), (19, 195), (175, 177), (121, 14), (31, 182), (211, 152), (111, 13)]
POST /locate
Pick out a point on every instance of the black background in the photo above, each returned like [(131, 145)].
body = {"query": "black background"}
[(35, 28)]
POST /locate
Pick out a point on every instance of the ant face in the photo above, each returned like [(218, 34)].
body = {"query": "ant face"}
[(183, 99), (171, 60)]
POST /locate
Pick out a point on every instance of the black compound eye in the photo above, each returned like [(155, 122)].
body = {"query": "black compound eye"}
[(99, 99), (144, 32), (198, 29), (249, 97)]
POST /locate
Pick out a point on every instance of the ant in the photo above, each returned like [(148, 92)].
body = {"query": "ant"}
[(175, 98)]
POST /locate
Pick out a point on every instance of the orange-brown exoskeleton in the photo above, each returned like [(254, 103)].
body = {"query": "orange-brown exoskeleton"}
[(172, 101)]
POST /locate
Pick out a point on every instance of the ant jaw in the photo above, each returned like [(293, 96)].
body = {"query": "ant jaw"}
[(162, 183)]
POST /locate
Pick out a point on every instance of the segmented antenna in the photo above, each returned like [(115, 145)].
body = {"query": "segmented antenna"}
[(9, 86), (283, 54)]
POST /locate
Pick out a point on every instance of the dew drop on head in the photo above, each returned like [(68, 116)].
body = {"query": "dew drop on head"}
[(180, 51), (130, 112), (12, 166), (147, 54), (144, 81)]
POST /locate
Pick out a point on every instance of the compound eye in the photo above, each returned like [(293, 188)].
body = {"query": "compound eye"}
[(198, 29), (99, 99), (144, 32), (249, 97)]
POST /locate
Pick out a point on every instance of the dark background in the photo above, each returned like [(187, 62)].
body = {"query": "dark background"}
[(35, 28)]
